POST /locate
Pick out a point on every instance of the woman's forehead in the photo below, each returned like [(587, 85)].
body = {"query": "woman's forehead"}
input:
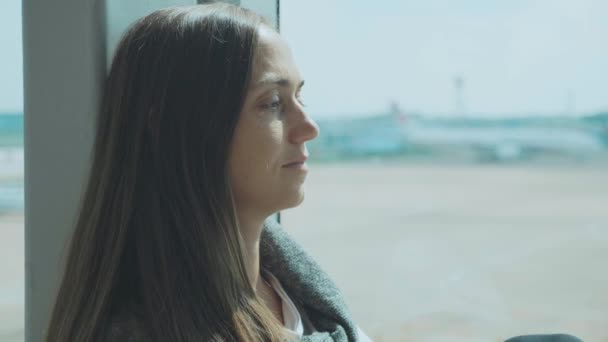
[(273, 58)]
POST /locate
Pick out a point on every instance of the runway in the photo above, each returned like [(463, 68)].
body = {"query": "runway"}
[(462, 253)]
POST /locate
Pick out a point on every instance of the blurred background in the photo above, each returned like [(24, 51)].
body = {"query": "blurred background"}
[(461, 169), (458, 190)]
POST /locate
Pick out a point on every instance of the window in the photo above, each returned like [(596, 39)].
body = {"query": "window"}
[(11, 174), (458, 188)]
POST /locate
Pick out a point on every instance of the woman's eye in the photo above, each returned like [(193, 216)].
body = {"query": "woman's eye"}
[(274, 105)]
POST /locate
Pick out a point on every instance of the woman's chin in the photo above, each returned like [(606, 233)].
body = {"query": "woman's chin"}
[(295, 199)]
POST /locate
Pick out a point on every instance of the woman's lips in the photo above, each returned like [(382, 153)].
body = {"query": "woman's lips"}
[(296, 162), (297, 166)]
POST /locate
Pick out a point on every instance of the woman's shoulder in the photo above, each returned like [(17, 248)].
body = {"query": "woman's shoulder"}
[(125, 326)]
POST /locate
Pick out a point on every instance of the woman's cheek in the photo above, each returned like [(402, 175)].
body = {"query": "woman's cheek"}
[(276, 131)]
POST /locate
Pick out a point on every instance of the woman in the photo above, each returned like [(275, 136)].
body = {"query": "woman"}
[(200, 138)]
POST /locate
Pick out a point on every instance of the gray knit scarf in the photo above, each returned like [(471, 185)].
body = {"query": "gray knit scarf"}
[(311, 289)]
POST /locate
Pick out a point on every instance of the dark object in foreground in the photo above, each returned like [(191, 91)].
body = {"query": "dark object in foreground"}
[(545, 338)]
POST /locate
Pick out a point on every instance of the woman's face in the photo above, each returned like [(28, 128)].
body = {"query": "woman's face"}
[(271, 133)]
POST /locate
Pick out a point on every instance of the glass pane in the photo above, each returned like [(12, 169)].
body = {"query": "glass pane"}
[(11, 174), (458, 190)]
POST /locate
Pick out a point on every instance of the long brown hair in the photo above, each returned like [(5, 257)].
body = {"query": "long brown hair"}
[(157, 227)]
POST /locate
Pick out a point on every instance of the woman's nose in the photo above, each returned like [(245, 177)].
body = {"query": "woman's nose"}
[(306, 129)]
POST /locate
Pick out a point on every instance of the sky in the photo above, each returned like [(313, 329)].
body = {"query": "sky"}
[(516, 57)]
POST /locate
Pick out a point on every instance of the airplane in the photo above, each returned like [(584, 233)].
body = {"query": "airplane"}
[(397, 133)]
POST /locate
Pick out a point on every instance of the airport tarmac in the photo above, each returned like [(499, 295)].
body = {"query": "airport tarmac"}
[(462, 253)]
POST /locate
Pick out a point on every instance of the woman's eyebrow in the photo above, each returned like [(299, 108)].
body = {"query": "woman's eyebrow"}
[(276, 80)]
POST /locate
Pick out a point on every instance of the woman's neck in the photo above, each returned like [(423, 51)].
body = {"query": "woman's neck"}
[(251, 230)]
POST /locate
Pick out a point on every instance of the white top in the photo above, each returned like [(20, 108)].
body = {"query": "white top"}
[(291, 317)]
